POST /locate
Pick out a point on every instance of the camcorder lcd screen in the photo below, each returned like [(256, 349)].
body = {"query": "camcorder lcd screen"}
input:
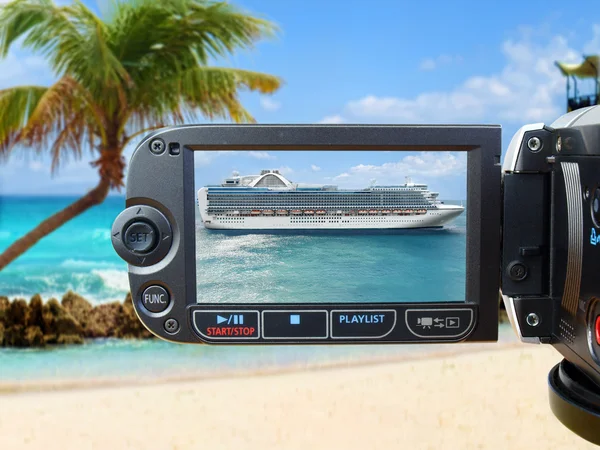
[(306, 226)]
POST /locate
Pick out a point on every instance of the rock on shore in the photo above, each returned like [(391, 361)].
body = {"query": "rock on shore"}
[(37, 324)]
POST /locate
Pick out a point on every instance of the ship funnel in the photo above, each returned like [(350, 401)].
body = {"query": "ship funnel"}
[(408, 181)]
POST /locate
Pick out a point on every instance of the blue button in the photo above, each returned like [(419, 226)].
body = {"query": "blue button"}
[(295, 324), (362, 324)]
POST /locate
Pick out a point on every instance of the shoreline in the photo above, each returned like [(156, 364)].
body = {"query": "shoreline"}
[(8, 388), (495, 399), (39, 324)]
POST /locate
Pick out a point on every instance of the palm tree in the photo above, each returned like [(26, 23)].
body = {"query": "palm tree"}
[(146, 64)]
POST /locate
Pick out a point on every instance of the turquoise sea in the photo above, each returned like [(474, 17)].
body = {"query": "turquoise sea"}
[(420, 265)]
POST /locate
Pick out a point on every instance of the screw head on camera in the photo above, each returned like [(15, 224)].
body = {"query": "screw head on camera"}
[(534, 144), (171, 326), (517, 271), (157, 146)]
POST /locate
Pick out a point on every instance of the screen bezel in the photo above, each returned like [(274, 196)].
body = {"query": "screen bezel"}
[(481, 142)]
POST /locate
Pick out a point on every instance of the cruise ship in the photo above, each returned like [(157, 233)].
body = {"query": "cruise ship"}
[(270, 201)]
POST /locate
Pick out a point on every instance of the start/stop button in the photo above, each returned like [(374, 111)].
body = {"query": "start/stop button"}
[(597, 330)]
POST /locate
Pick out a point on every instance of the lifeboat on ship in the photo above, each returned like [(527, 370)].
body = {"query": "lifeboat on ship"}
[(310, 212), (351, 213), (385, 211), (397, 211), (320, 212), (255, 212), (339, 212), (282, 212), (296, 212), (373, 212), (268, 212), (363, 211)]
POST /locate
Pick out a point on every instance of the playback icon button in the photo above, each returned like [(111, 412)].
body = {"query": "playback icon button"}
[(226, 325), (438, 323)]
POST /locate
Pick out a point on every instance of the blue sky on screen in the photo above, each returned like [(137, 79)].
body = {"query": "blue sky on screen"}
[(443, 172), (393, 61)]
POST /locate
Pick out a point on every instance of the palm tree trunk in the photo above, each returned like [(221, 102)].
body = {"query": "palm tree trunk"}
[(92, 198)]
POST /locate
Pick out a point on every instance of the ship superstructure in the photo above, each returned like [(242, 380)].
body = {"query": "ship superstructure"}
[(271, 201)]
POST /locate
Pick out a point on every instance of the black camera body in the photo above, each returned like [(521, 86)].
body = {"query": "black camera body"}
[(550, 286), (551, 207), (532, 233), (157, 235)]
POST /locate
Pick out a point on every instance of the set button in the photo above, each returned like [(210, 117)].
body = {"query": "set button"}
[(140, 237)]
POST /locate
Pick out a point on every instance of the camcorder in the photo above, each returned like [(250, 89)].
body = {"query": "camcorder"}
[(255, 258)]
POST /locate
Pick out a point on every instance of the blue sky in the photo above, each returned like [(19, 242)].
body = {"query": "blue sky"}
[(378, 62), (443, 172)]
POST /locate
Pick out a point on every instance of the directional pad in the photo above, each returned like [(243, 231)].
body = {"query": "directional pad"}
[(141, 235)]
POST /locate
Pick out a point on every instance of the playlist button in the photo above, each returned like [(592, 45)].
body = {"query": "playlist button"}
[(362, 324)]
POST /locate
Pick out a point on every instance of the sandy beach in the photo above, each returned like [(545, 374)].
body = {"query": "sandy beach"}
[(493, 399)]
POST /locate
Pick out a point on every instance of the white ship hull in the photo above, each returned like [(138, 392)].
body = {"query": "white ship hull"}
[(433, 218), (429, 220)]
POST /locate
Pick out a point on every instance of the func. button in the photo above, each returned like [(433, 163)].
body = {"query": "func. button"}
[(155, 299), (226, 324), (362, 324)]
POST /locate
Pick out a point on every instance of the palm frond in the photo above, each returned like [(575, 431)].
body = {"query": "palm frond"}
[(63, 119), (72, 38), (146, 65), (16, 106), (157, 39), (209, 91), (58, 117)]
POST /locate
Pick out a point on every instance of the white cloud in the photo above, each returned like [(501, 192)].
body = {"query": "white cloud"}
[(314, 168), (261, 155), (427, 64), (18, 70), (36, 166), (528, 88), (332, 119), (593, 45), (285, 170), (442, 60), (421, 165), (269, 104), (205, 157)]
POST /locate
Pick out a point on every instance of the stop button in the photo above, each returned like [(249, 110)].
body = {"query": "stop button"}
[(597, 330)]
